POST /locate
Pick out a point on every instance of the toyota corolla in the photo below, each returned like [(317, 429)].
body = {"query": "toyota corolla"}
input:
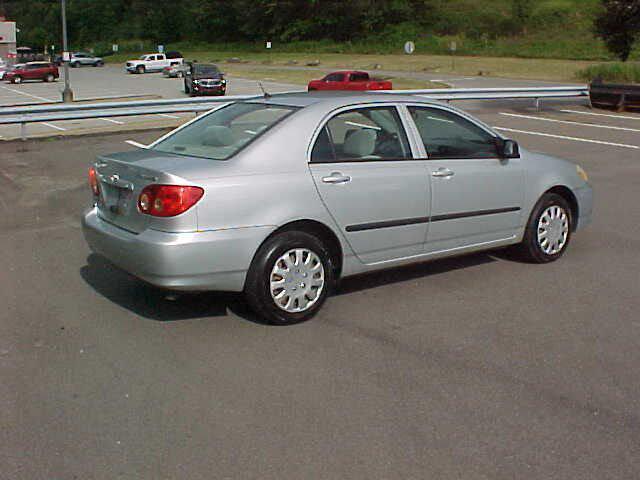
[(280, 197)]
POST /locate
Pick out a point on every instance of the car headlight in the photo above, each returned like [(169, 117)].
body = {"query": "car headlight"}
[(581, 173)]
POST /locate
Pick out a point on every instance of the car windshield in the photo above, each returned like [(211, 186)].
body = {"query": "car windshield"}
[(222, 133), (205, 70)]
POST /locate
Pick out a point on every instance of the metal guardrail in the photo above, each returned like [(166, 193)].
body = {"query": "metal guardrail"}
[(49, 113)]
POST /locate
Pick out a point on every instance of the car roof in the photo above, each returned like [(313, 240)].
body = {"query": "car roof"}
[(331, 100)]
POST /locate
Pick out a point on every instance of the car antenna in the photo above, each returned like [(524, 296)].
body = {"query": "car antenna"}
[(264, 92)]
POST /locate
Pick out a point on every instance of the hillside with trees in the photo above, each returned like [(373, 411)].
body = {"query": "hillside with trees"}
[(526, 28)]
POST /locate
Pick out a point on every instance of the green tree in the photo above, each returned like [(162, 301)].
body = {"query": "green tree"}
[(618, 24), (521, 11)]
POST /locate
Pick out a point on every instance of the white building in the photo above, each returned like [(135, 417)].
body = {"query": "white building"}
[(7, 38)]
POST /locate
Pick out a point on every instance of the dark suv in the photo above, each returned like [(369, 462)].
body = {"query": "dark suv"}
[(44, 71), (204, 79)]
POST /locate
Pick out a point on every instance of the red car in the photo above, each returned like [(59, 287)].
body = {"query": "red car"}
[(45, 71), (349, 80)]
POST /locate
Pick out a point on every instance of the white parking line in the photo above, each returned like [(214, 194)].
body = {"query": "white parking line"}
[(624, 117), (562, 137), (567, 122), (166, 115), (53, 126), (28, 94), (117, 122)]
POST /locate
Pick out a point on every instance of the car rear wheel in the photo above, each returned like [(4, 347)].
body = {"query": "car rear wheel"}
[(140, 69), (98, 64), (49, 78), (16, 79), (290, 278), (74, 64), (548, 230)]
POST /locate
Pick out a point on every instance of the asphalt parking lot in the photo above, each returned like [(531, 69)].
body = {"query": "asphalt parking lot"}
[(109, 83), (479, 367)]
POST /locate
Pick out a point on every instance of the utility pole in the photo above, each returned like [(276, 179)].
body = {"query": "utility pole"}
[(67, 93)]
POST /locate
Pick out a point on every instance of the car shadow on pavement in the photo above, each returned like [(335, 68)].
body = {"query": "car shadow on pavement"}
[(414, 271), (155, 303), (158, 304)]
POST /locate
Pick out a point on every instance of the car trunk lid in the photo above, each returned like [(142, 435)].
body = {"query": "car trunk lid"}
[(122, 176)]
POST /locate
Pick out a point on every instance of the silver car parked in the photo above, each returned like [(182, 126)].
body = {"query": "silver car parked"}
[(280, 197)]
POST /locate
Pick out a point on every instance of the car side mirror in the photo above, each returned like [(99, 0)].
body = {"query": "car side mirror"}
[(508, 148)]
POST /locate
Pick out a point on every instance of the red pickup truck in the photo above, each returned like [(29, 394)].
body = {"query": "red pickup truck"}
[(349, 80), (44, 71)]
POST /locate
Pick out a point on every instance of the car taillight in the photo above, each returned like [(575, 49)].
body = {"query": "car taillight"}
[(93, 181), (168, 200)]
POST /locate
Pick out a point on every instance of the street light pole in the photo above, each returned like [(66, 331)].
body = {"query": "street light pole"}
[(67, 93)]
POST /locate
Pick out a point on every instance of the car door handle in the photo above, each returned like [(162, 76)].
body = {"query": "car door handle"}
[(336, 177), (443, 173)]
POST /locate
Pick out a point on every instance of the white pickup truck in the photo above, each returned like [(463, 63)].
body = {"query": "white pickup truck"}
[(154, 62)]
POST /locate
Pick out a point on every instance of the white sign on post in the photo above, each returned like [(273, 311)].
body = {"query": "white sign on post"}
[(114, 47), (160, 48), (66, 56), (409, 48), (268, 44)]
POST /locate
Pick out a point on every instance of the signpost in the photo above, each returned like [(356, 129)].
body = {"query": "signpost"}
[(453, 47)]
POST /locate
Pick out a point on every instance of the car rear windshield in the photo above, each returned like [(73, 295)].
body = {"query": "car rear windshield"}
[(222, 133)]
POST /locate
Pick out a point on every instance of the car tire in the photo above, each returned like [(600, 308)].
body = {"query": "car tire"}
[(74, 65), (98, 64), (49, 78), (140, 69), (312, 283), (548, 230), (180, 74), (16, 79)]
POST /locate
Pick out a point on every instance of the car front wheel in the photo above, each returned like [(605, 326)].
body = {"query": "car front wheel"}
[(49, 78), (548, 230), (16, 79), (140, 69), (290, 278)]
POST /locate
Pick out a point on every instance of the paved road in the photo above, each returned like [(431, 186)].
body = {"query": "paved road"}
[(479, 367)]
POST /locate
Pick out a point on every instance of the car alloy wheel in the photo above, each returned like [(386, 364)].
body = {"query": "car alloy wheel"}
[(548, 230), (16, 80), (140, 69), (49, 78), (297, 280), (290, 277), (553, 230)]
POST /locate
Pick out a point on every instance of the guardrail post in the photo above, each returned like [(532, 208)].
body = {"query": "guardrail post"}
[(23, 131), (537, 104)]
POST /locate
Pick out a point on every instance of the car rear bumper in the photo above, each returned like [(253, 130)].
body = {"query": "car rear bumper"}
[(211, 260), (584, 196)]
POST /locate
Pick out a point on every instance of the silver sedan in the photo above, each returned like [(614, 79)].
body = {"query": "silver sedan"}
[(281, 197)]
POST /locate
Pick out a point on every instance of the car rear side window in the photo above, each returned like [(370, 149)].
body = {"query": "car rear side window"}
[(447, 135), (222, 133), (364, 134), (334, 77), (359, 77)]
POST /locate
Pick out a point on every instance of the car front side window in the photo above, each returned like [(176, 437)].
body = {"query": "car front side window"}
[(447, 135), (364, 134)]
